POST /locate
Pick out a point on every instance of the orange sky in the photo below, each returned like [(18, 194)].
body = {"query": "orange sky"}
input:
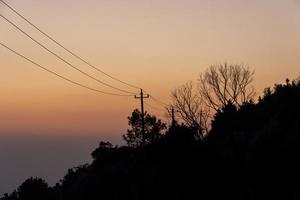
[(156, 44)]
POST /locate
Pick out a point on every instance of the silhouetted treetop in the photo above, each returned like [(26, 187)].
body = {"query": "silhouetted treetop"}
[(226, 83), (191, 108), (251, 152), (153, 129)]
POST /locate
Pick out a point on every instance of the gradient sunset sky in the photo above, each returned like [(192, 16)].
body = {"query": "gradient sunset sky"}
[(157, 44), (48, 125)]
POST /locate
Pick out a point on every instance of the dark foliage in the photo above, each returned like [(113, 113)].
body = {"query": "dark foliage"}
[(153, 129), (251, 153), (33, 189)]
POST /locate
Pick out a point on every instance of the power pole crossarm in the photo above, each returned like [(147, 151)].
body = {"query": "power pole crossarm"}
[(142, 97)]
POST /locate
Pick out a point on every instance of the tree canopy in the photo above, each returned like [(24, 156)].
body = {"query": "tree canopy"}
[(250, 153)]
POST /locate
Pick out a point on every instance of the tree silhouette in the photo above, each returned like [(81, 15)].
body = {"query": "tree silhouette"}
[(225, 83), (105, 148), (191, 108), (33, 189), (250, 153), (219, 86), (153, 129)]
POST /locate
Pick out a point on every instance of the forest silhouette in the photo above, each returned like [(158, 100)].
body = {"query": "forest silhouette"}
[(250, 151)]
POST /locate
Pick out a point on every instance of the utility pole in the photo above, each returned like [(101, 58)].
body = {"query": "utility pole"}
[(173, 116), (142, 97)]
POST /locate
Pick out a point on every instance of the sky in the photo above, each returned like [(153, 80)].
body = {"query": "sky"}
[(157, 45)]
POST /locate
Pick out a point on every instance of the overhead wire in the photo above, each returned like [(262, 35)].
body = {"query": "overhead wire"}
[(159, 114), (65, 48), (62, 59), (58, 75), (153, 107), (159, 102)]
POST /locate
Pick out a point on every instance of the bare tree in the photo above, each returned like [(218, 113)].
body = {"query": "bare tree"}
[(217, 87), (223, 84), (191, 108)]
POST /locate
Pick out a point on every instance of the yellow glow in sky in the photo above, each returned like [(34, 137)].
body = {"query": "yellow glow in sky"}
[(157, 45)]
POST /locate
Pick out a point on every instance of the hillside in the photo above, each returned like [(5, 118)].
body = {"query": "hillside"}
[(250, 153)]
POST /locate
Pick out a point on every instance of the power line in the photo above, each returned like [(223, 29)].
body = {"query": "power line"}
[(79, 57), (65, 48), (161, 103), (153, 107), (62, 59), (60, 76)]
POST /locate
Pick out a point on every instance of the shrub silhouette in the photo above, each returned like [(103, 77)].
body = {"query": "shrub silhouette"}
[(33, 189), (251, 153)]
